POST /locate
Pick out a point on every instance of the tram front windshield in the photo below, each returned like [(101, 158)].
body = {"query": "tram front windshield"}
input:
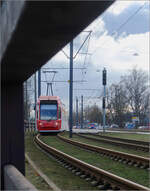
[(48, 112)]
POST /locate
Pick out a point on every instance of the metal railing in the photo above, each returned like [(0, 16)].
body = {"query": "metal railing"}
[(29, 127), (14, 180)]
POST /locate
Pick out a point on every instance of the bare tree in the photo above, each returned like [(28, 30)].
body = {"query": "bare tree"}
[(136, 86), (116, 104), (93, 114)]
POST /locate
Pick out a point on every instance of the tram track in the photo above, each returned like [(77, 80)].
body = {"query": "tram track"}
[(130, 159), (100, 178), (145, 143), (117, 143)]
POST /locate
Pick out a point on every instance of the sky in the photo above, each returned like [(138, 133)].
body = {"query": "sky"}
[(119, 41)]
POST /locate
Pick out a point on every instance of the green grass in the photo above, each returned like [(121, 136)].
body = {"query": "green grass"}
[(134, 174), (134, 136), (105, 145), (62, 177), (35, 179)]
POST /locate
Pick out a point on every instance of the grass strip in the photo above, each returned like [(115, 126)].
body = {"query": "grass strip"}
[(62, 177), (107, 145), (139, 176), (34, 178), (133, 136)]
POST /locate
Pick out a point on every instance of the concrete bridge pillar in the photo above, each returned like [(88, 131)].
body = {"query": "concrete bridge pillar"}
[(12, 131)]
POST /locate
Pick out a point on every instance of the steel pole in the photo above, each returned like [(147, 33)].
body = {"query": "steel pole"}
[(82, 112), (77, 119), (71, 90), (26, 88), (104, 112), (104, 84)]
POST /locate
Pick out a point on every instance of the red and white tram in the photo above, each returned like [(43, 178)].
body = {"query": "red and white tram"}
[(49, 114)]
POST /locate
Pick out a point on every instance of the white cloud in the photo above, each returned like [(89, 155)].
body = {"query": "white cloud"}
[(97, 25), (119, 6), (120, 55)]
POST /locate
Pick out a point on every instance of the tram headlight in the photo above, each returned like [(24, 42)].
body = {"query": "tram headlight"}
[(40, 124), (56, 123)]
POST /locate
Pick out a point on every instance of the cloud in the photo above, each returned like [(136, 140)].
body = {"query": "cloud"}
[(117, 55), (138, 22), (124, 53), (97, 27), (119, 6)]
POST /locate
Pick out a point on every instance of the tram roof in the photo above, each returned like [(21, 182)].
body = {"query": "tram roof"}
[(57, 98)]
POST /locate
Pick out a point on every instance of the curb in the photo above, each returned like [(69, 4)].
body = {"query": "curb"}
[(47, 180)]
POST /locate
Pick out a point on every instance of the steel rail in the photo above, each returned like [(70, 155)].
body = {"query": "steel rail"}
[(130, 130), (131, 159), (118, 143), (104, 178), (124, 140)]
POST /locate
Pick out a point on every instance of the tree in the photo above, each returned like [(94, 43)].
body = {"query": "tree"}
[(136, 87), (116, 104), (93, 114)]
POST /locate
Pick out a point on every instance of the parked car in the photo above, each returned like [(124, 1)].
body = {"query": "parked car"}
[(141, 127), (147, 128), (93, 126), (114, 126), (144, 127), (129, 126)]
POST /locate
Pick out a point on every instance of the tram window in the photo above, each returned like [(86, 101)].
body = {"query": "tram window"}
[(48, 111)]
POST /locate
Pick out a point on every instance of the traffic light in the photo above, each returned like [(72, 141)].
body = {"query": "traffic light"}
[(103, 103), (104, 77)]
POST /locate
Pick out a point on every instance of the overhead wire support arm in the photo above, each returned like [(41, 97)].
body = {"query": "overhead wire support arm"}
[(82, 44), (65, 54)]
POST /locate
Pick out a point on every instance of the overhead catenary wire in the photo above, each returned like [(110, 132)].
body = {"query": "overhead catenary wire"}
[(60, 68), (86, 55), (87, 89), (88, 36), (66, 81), (128, 19), (121, 26)]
